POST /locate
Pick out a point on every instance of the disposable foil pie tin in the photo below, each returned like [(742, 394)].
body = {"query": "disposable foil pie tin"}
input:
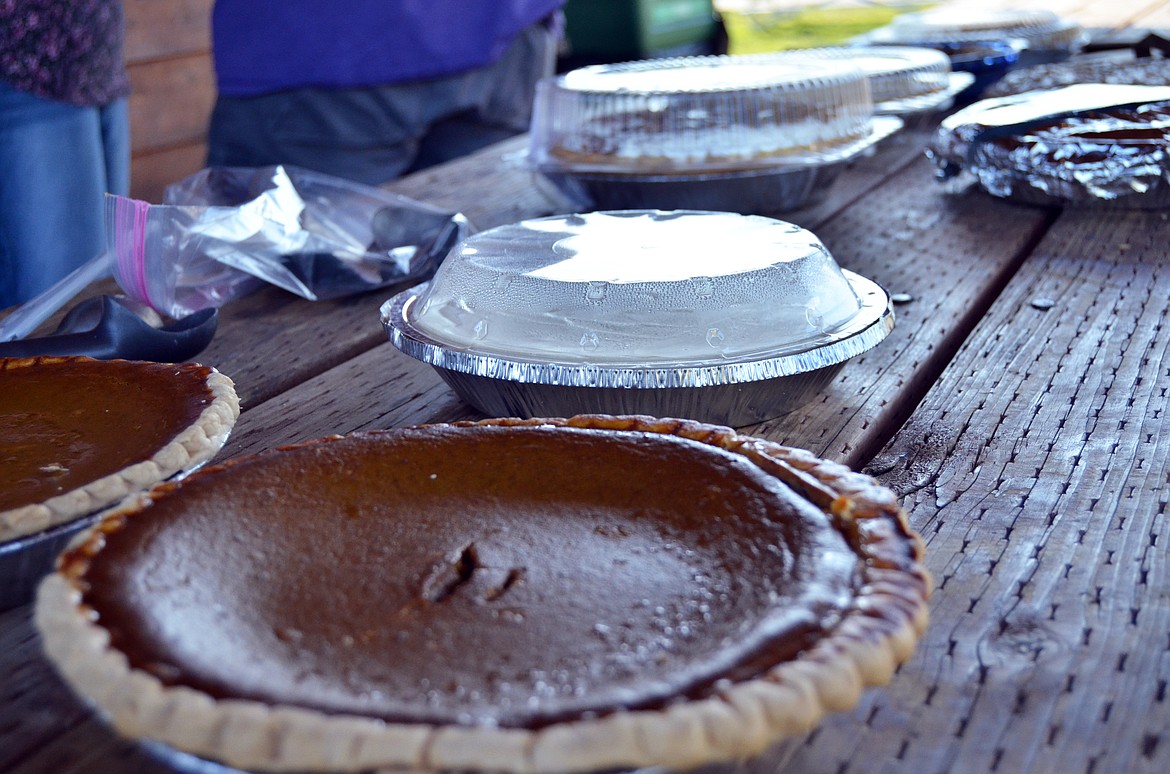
[(756, 192), (770, 760), (744, 134), (26, 560), (712, 316)]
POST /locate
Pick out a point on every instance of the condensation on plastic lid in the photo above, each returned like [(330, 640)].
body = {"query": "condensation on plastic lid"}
[(698, 114), (637, 287), (700, 75)]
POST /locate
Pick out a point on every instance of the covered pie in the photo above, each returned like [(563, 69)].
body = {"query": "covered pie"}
[(510, 595), (1085, 143)]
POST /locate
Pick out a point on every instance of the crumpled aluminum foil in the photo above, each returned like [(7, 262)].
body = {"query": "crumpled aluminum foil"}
[(1149, 72), (1080, 144)]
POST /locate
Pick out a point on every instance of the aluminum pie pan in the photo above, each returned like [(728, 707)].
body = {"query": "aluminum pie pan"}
[(187, 763), (26, 560), (736, 392), (756, 191)]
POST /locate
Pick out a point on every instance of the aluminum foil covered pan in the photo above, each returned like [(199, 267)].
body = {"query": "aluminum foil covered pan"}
[(1080, 144), (1148, 72), (707, 315)]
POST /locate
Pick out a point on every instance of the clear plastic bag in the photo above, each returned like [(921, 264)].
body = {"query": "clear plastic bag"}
[(225, 231)]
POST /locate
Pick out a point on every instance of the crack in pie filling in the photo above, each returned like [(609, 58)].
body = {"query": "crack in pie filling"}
[(512, 595), (80, 434)]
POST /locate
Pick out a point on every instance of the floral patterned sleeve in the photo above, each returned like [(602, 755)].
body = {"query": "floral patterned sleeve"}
[(69, 50)]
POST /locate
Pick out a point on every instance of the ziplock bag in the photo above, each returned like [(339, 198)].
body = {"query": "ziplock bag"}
[(225, 231)]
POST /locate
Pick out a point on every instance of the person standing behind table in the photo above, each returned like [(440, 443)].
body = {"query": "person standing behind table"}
[(64, 137), (371, 89)]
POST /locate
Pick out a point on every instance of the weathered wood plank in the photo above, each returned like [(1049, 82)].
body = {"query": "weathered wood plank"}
[(1048, 647), (170, 102), (34, 704), (950, 256), (153, 171), (168, 56), (158, 29)]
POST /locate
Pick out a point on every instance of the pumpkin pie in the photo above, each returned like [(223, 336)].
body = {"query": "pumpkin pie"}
[(575, 594), (82, 434)]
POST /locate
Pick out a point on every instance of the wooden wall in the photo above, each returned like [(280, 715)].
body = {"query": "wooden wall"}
[(168, 55)]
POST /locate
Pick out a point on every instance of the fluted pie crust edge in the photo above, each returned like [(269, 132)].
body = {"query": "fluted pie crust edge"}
[(190, 448), (877, 632)]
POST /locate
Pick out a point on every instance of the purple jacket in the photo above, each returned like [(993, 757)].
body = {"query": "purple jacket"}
[(69, 50), (263, 46)]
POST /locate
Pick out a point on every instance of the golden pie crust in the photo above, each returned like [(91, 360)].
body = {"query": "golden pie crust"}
[(65, 413), (876, 630)]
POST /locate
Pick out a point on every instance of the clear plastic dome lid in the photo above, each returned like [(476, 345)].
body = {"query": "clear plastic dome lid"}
[(698, 114), (637, 287), (1038, 28), (895, 73)]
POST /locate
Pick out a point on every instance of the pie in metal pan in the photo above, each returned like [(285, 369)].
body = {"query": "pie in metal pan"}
[(81, 434), (584, 594)]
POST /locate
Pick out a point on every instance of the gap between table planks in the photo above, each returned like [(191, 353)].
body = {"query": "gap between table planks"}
[(1037, 471)]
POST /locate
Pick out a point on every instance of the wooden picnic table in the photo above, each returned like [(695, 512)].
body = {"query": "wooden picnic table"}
[(1018, 409)]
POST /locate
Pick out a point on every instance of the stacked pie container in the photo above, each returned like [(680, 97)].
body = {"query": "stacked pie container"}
[(745, 134)]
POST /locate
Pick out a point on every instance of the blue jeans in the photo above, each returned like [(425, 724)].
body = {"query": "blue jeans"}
[(57, 161)]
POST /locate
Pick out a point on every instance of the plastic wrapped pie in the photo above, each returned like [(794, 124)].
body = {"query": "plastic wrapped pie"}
[(709, 315), (902, 79), (1085, 143), (986, 43), (690, 124)]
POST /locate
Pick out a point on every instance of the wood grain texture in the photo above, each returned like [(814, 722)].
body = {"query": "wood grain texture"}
[(170, 102), (168, 58), (950, 256), (156, 169), (1037, 470), (1025, 438), (158, 29)]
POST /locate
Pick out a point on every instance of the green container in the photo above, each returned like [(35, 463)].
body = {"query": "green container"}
[(633, 29)]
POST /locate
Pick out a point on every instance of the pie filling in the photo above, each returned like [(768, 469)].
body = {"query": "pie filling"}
[(60, 419), (512, 576)]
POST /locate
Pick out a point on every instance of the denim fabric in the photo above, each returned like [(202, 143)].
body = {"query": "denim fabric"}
[(57, 161)]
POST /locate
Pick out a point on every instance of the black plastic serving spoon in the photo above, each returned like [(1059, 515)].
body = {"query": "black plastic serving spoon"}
[(104, 327)]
